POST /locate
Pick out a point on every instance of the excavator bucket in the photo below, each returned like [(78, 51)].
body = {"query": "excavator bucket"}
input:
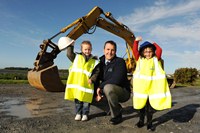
[(46, 79)]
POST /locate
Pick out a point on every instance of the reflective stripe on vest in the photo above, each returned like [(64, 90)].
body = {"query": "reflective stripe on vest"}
[(77, 83), (80, 88), (149, 81), (153, 96), (78, 70)]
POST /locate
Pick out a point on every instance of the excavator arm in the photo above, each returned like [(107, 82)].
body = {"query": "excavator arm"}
[(44, 75)]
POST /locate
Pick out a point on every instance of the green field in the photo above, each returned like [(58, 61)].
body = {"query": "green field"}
[(196, 83), (20, 77), (8, 76)]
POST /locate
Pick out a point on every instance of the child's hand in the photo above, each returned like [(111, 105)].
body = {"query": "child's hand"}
[(89, 81), (72, 44), (139, 38)]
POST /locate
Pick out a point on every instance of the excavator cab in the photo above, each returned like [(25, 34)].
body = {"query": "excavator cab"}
[(44, 76)]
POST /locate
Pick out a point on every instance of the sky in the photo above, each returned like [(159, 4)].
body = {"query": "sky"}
[(173, 24)]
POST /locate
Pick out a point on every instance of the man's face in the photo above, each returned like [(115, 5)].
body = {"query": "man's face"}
[(109, 51)]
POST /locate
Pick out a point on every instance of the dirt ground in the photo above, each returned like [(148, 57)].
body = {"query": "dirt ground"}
[(25, 109)]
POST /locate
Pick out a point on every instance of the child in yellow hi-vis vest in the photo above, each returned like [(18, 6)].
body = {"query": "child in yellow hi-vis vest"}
[(150, 88), (82, 75)]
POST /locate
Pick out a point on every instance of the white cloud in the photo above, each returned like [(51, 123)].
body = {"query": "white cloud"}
[(16, 39), (176, 27), (187, 34), (149, 14), (161, 2), (184, 59)]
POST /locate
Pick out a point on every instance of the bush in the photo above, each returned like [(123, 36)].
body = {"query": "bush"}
[(63, 73), (185, 75)]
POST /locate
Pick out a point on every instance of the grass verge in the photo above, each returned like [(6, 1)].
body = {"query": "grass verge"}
[(196, 83), (4, 81)]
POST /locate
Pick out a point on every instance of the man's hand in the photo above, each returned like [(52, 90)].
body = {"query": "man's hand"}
[(99, 96)]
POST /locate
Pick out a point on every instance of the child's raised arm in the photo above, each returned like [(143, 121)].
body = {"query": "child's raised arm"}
[(135, 47), (158, 50)]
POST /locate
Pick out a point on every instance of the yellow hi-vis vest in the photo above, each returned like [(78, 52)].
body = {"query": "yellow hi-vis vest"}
[(149, 81), (77, 84)]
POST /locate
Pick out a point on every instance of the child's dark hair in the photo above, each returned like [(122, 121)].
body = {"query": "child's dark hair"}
[(151, 46)]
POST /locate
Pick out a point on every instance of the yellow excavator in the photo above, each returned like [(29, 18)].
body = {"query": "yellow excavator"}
[(44, 76)]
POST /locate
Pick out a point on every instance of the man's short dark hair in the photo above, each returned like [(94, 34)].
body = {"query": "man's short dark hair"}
[(112, 43)]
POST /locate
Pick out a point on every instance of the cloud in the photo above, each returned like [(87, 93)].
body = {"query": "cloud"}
[(18, 39), (174, 26), (186, 34), (160, 2), (165, 21), (154, 13), (183, 59)]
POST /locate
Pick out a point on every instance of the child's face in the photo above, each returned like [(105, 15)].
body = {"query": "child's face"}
[(86, 49), (148, 53)]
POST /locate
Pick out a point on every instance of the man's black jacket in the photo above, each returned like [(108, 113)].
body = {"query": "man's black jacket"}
[(113, 73)]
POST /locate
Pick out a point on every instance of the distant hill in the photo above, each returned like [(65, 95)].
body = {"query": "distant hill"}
[(17, 68)]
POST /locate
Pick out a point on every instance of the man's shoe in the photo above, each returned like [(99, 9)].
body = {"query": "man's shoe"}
[(116, 120), (108, 113)]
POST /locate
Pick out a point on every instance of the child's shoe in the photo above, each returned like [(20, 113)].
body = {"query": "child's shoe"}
[(84, 118), (140, 124), (150, 127), (77, 117)]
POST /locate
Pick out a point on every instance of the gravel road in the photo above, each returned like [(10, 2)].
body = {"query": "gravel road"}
[(24, 109)]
